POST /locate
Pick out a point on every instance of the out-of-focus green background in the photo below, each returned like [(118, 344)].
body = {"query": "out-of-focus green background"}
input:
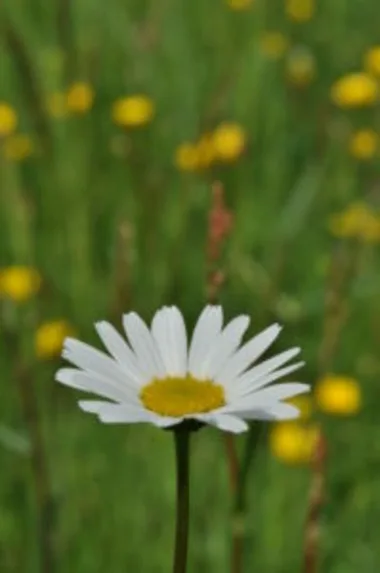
[(113, 217)]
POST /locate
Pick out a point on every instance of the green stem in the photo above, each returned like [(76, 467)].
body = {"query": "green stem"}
[(182, 439), (238, 533), (250, 450)]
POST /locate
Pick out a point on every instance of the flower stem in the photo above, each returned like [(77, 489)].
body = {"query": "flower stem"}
[(240, 509), (182, 439)]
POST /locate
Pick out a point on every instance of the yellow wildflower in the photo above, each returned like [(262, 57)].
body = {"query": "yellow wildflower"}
[(229, 141), (186, 157), (49, 338), (8, 119), (293, 443), (338, 395), (273, 45), (300, 10), (300, 67), (304, 404), (19, 283), (239, 4), (18, 147), (355, 90), (357, 221), (80, 97), (133, 111), (206, 150), (372, 61), (363, 144), (56, 105)]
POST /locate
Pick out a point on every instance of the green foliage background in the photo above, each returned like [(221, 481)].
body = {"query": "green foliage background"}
[(112, 225)]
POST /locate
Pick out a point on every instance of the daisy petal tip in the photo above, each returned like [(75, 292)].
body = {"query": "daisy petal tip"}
[(130, 315), (286, 412), (306, 387), (65, 354), (215, 308), (90, 406), (64, 375), (69, 340), (57, 376), (239, 427)]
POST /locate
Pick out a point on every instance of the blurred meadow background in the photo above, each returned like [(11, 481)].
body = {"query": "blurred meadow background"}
[(173, 152)]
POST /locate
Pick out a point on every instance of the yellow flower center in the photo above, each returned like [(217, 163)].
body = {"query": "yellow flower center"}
[(176, 396)]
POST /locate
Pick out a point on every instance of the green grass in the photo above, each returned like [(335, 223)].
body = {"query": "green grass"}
[(65, 211)]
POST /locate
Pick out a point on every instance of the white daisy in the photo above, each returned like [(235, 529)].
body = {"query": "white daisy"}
[(157, 377)]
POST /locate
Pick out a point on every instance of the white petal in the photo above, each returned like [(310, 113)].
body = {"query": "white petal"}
[(247, 384), (224, 422), (91, 382), (268, 396), (122, 414), (267, 366), (283, 411), (120, 350), (279, 411), (144, 346), (224, 346), (280, 392), (247, 354), (92, 406), (206, 330), (165, 421), (169, 332), (88, 358)]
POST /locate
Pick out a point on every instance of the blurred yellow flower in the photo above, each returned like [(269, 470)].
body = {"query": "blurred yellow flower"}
[(49, 338), (206, 150), (186, 157), (194, 156), (363, 144), (80, 97), (274, 45), (372, 61), (357, 221), (8, 119), (304, 404), (300, 10), (355, 90), (19, 283), (56, 105), (133, 111), (228, 140), (293, 443), (239, 4), (18, 147), (338, 395), (300, 67)]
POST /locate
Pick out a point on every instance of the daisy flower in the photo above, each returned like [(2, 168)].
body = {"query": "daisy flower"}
[(157, 377)]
